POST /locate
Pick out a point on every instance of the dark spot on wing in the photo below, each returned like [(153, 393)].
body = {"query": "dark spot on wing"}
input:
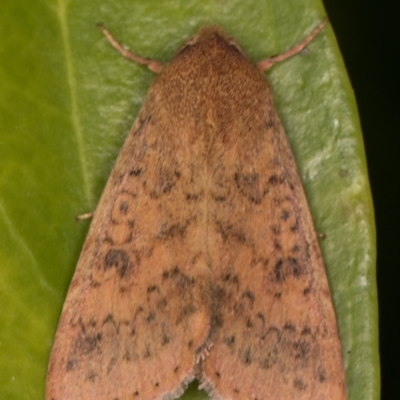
[(229, 341), (118, 259), (278, 271), (135, 172), (246, 356), (250, 186), (299, 384), (284, 215), (71, 364)]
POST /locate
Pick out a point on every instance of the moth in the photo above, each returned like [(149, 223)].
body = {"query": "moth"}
[(201, 261)]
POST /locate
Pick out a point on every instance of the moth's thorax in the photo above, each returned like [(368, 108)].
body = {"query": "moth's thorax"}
[(211, 86)]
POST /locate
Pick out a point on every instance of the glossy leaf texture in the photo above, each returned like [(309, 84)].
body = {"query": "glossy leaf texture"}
[(66, 104)]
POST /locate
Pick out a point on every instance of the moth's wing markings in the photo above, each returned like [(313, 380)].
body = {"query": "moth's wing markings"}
[(216, 193), (275, 334), (135, 315)]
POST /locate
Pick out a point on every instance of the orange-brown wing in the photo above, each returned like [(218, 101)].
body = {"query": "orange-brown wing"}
[(274, 333), (202, 238), (135, 315)]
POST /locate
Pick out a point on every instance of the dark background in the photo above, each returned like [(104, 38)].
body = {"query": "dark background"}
[(368, 36)]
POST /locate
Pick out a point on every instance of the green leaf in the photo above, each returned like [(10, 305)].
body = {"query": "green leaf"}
[(66, 104)]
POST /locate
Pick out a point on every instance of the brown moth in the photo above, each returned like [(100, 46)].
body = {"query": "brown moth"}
[(201, 260)]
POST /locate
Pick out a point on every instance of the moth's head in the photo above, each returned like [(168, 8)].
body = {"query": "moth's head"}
[(206, 33), (208, 36)]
